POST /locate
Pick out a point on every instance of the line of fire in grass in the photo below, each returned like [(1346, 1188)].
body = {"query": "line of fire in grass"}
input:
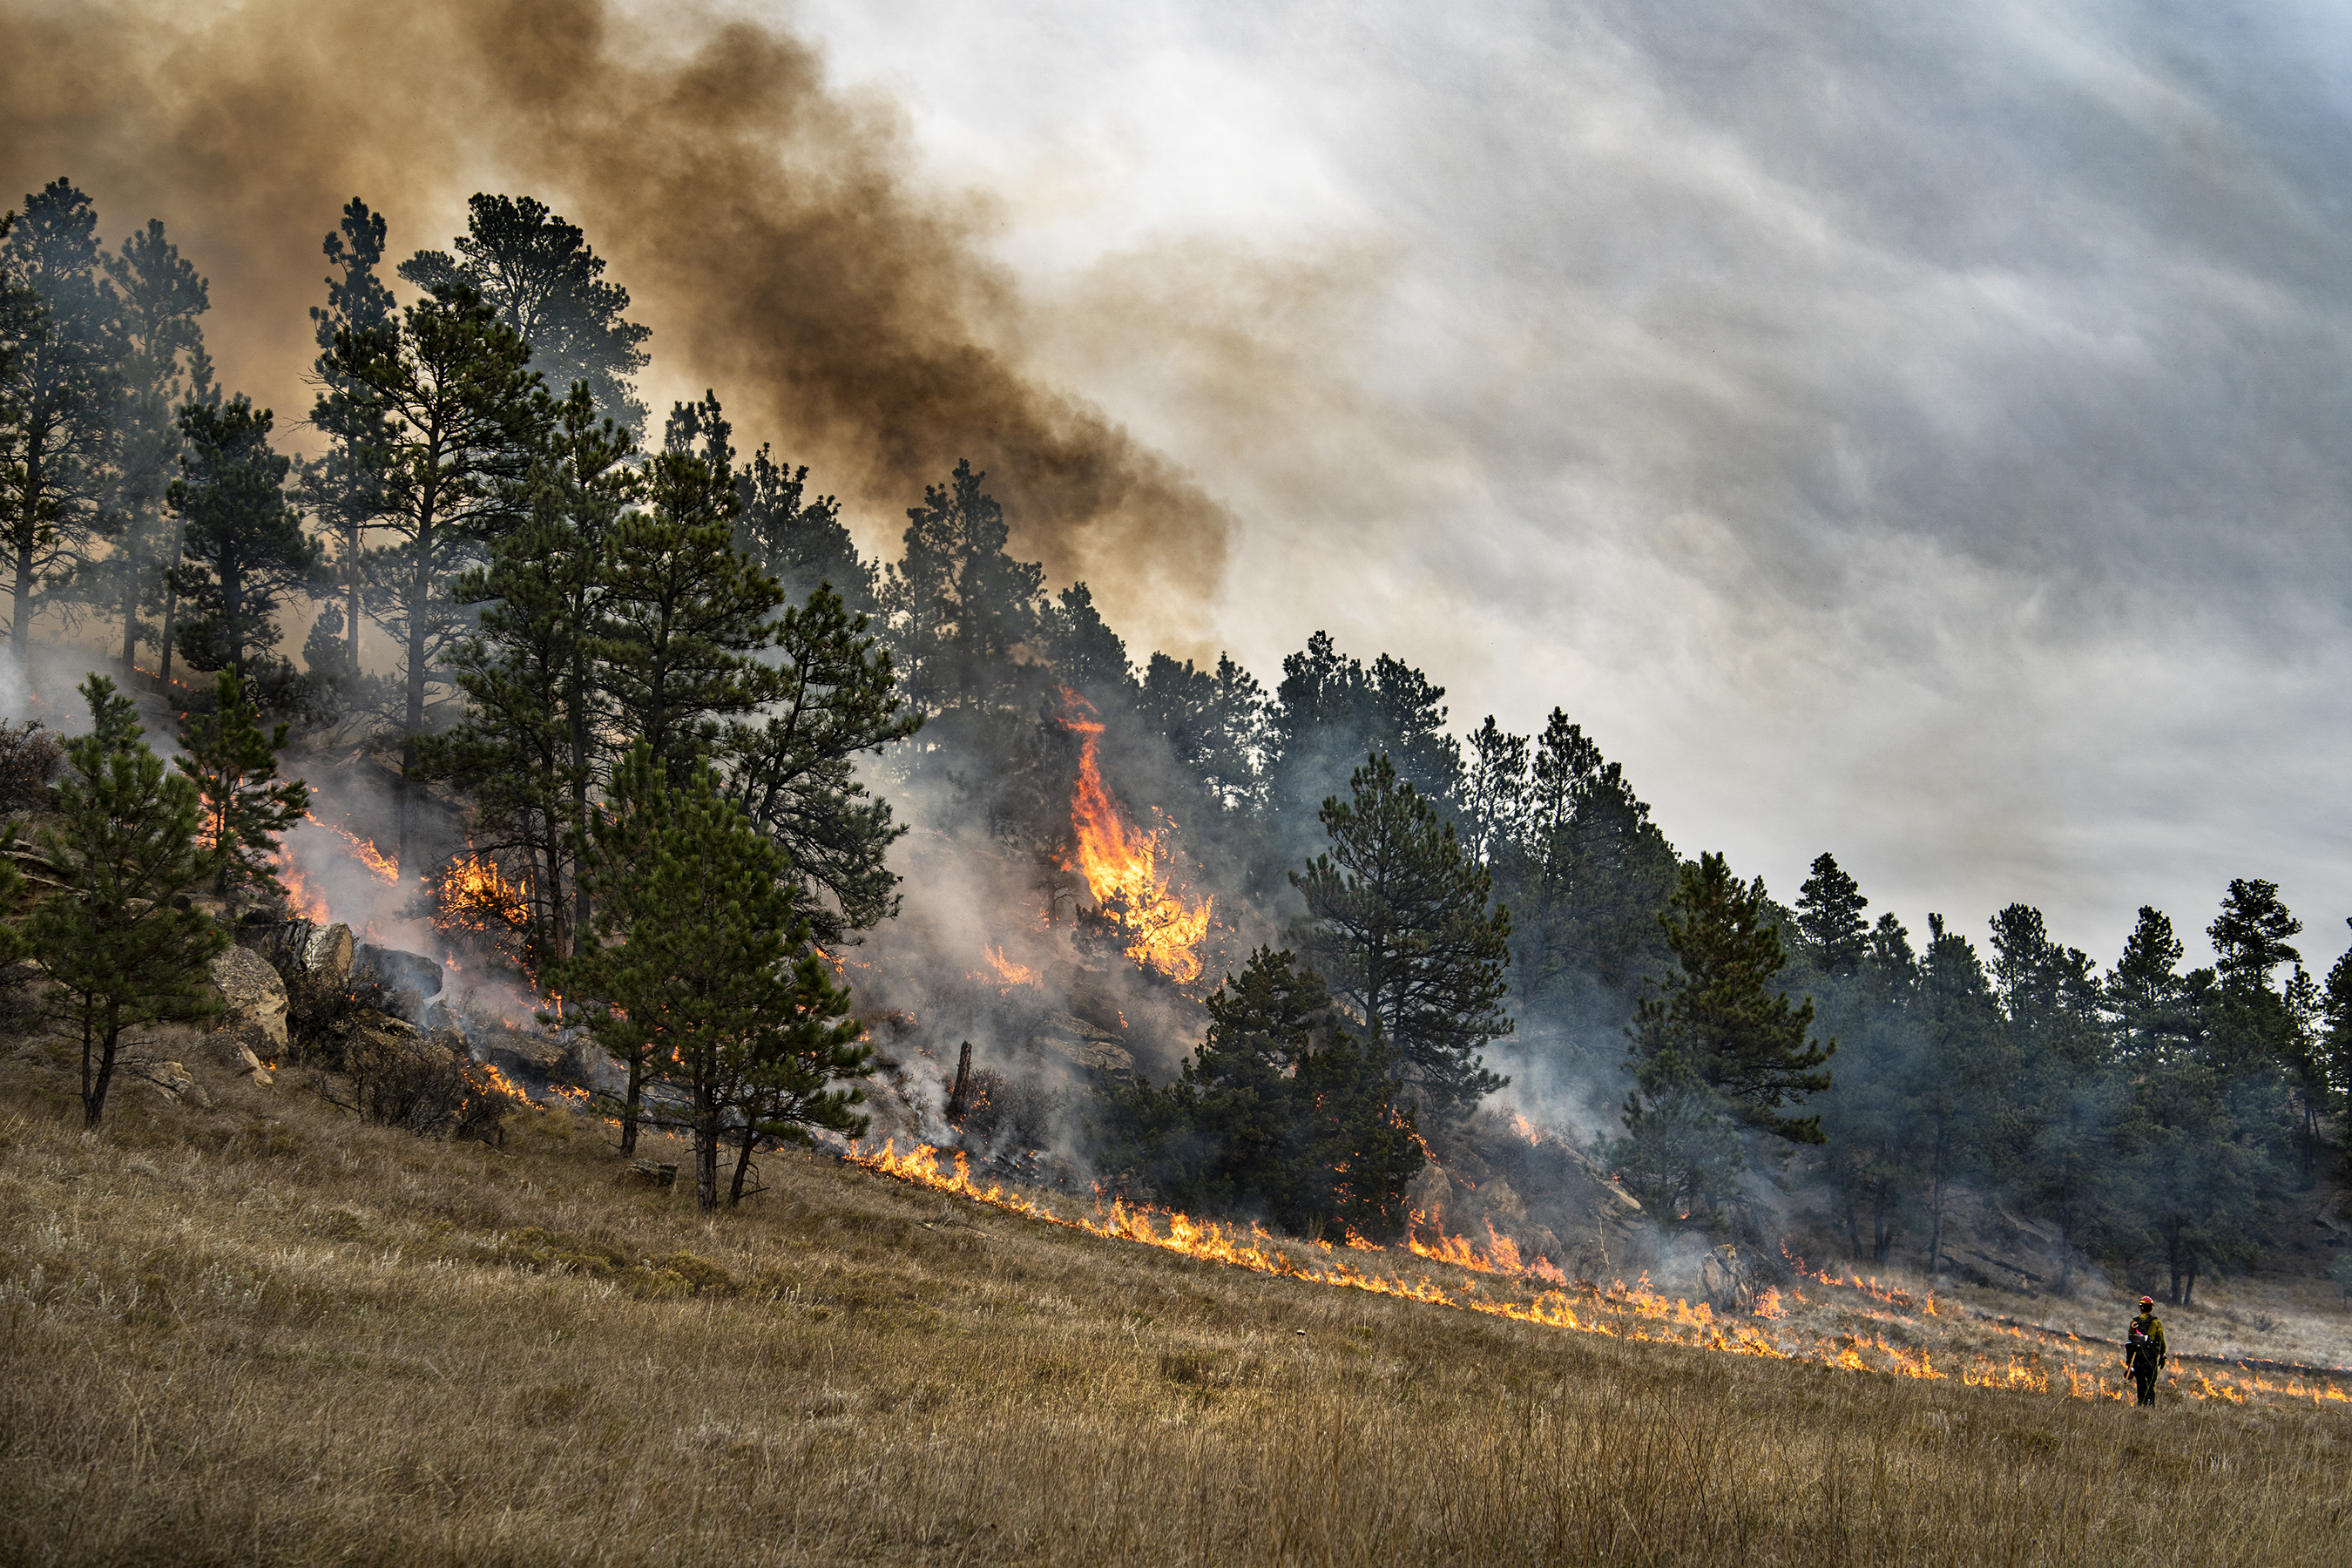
[(2060, 1363)]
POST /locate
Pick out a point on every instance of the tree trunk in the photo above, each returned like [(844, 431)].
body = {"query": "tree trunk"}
[(705, 1147), (420, 592), (629, 1104), (743, 1156), (93, 1088), (172, 604), (351, 600), (130, 595)]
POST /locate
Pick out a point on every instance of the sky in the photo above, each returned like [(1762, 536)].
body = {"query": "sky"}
[(1911, 433), (1914, 433)]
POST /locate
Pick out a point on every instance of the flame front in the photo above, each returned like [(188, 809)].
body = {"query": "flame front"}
[(1121, 865), (2050, 1361)]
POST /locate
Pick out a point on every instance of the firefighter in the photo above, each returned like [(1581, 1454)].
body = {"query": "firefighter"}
[(2144, 1349)]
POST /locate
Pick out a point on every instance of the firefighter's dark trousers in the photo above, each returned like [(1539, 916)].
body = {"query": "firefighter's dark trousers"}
[(2144, 1375)]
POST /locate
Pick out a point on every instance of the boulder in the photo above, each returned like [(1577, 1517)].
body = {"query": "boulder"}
[(173, 1081), (252, 993), (329, 956), (400, 970)]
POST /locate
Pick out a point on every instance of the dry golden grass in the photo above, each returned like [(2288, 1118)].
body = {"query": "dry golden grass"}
[(265, 1332)]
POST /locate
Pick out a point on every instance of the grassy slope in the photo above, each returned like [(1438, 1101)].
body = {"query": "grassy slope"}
[(263, 1332)]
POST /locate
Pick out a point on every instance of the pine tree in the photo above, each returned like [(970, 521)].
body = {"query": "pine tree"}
[(1330, 710), (63, 391), (1717, 1015), (1214, 724), (2143, 991), (348, 486), (957, 603), (831, 695), (683, 615), (1956, 1076), (1085, 654), (547, 286), (800, 542), (1399, 921), (526, 746), (2251, 935), (1279, 1113), (1830, 920), (163, 367), (242, 548), (460, 419), (233, 763), (704, 976), (120, 955)]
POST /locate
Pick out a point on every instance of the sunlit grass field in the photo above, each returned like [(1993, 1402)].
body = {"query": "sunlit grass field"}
[(263, 1333)]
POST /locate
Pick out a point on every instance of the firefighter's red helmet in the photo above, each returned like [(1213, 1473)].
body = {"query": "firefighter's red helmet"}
[(2147, 1300)]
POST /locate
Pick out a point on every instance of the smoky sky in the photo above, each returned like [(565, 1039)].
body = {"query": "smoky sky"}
[(1916, 433), (1912, 434)]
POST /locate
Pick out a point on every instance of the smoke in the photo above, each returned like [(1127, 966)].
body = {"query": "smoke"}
[(768, 225)]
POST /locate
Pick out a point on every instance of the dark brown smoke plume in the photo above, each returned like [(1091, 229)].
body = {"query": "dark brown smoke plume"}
[(764, 222)]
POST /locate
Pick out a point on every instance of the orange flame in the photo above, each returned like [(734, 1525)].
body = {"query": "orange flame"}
[(1120, 864), (1635, 1313), (474, 892), (383, 867), (1008, 972)]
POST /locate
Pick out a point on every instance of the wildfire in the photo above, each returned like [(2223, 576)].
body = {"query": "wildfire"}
[(1636, 1313), (473, 895), (1121, 865), (1007, 972), (382, 866)]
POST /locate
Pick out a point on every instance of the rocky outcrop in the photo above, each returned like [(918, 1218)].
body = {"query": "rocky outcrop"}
[(251, 993), (329, 953), (400, 970), (173, 1081), (1085, 1046)]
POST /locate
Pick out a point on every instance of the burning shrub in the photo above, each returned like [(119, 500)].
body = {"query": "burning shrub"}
[(402, 1080), (1004, 1114), (30, 758)]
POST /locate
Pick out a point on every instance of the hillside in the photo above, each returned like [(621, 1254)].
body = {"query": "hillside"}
[(261, 1329)]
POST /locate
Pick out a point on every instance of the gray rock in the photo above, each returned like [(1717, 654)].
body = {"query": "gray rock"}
[(400, 970), (252, 991), (330, 954)]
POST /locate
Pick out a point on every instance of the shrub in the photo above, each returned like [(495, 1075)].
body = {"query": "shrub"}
[(400, 1080), (30, 758)]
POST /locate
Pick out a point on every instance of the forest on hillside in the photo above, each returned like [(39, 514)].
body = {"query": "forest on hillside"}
[(691, 727)]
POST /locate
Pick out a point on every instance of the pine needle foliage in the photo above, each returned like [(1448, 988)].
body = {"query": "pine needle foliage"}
[(1716, 1022), (702, 975), (233, 763), (118, 954), (1400, 922)]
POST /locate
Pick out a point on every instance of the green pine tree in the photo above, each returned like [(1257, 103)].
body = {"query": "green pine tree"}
[(1717, 1021), (830, 695), (233, 763), (119, 954), (701, 973), (525, 747), (242, 548), (454, 420), (547, 286), (1399, 921), (63, 393), (1830, 919), (683, 614), (164, 368), (348, 487), (1279, 1114)]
